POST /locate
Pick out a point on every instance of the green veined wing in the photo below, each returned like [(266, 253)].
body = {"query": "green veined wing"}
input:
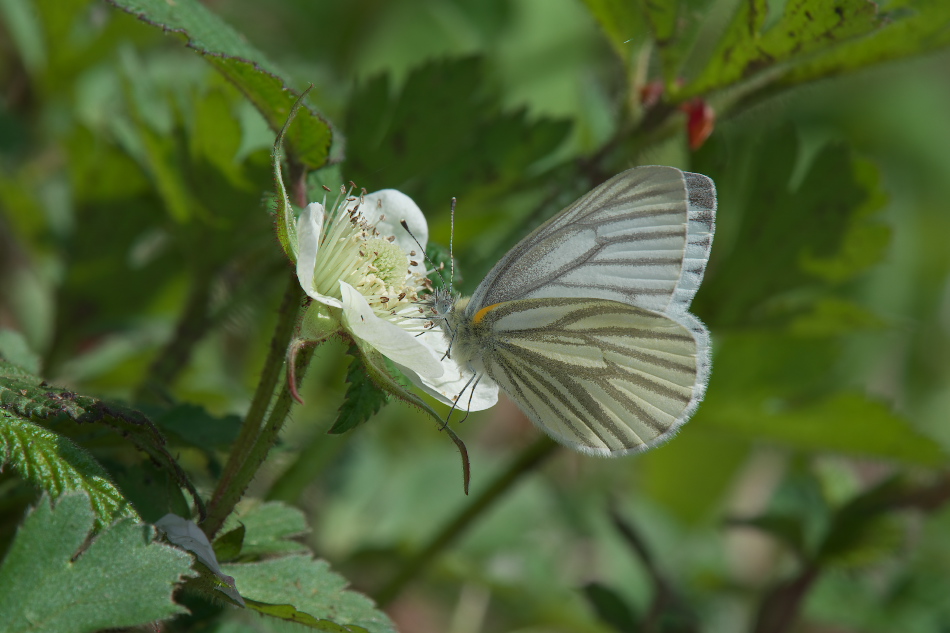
[(602, 377), (641, 238)]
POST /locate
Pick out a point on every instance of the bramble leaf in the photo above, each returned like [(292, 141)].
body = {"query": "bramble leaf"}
[(55, 464), (28, 398), (49, 582), (268, 528), (301, 589), (748, 47), (363, 398), (309, 138)]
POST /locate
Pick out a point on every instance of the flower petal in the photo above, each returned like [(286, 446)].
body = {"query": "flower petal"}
[(455, 382), (386, 209), (388, 338), (309, 227)]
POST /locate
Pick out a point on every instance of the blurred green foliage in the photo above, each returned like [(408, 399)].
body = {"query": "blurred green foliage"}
[(140, 281)]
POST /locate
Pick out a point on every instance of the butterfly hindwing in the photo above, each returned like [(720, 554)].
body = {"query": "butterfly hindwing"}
[(641, 238), (601, 376)]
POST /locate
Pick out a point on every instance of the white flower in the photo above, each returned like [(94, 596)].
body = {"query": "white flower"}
[(365, 272)]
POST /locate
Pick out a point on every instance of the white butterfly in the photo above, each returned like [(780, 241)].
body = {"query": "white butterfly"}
[(584, 323)]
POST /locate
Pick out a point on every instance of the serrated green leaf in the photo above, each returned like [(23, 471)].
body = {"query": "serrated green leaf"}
[(864, 241), (228, 546), (363, 398), (247, 68), (780, 229), (292, 614), (26, 396), (48, 582), (390, 135), (284, 587), (55, 464), (806, 26), (662, 18), (910, 27), (268, 528)]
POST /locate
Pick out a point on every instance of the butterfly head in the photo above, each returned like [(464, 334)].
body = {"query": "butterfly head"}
[(442, 303)]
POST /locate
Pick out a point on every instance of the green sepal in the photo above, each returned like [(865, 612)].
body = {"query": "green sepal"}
[(286, 218), (319, 323), (375, 365)]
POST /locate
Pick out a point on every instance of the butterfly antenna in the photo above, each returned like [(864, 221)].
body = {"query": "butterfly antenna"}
[(451, 246), (405, 225)]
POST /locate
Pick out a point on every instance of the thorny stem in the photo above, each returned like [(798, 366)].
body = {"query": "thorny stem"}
[(269, 433), (239, 470), (529, 459)]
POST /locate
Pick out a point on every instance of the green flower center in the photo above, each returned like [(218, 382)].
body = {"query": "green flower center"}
[(388, 260)]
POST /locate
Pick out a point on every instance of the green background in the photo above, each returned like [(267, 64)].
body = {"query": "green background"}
[(138, 264)]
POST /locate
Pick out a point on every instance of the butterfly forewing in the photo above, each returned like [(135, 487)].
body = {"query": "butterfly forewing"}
[(641, 238), (600, 376)]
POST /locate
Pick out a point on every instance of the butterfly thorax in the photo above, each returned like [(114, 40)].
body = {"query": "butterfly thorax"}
[(449, 310)]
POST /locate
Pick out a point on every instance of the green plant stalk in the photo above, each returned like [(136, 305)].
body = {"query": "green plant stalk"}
[(266, 439), (237, 472), (526, 461)]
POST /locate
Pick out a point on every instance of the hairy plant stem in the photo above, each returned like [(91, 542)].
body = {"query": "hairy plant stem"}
[(240, 470), (526, 461)]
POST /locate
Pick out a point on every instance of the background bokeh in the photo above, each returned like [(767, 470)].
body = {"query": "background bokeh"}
[(135, 186)]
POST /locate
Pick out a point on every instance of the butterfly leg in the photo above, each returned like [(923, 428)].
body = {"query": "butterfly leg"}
[(455, 403)]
